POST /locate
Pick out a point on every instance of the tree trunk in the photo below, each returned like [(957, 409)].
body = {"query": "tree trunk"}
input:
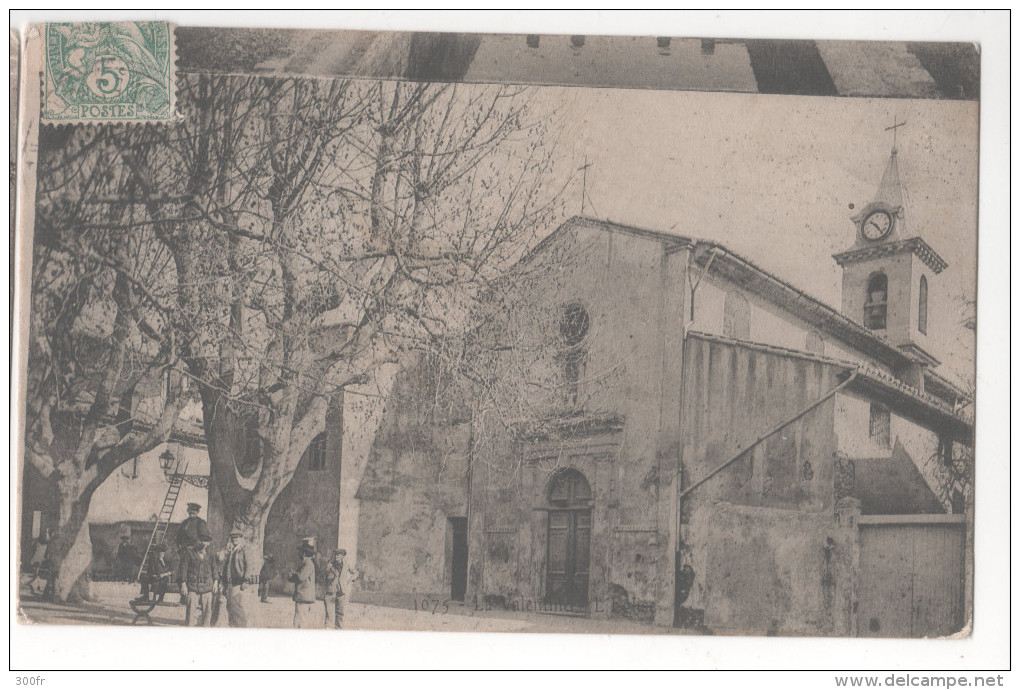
[(255, 538), (70, 550), (231, 503)]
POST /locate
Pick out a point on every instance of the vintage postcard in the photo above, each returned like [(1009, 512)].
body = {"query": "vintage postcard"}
[(497, 332)]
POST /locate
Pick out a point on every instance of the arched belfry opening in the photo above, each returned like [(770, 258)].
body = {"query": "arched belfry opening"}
[(876, 302), (568, 562)]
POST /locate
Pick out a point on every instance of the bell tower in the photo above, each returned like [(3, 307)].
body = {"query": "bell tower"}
[(888, 271)]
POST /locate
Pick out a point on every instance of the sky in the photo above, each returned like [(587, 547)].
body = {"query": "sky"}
[(772, 178)]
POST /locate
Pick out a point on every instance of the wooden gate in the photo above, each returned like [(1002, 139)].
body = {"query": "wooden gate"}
[(911, 576)]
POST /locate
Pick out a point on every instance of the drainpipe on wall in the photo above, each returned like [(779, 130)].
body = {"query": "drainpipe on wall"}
[(678, 484), (694, 285)]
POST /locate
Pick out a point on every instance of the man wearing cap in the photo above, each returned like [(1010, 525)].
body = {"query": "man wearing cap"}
[(237, 580), (197, 577), (192, 529), (158, 578), (304, 587), (338, 578)]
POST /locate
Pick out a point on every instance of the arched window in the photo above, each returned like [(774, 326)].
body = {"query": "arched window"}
[(875, 302), (574, 324), (922, 306), (736, 316), (814, 342), (569, 488), (315, 455), (574, 327)]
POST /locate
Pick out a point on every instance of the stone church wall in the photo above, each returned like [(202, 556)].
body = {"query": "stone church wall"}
[(632, 423), (768, 324), (415, 480), (404, 505)]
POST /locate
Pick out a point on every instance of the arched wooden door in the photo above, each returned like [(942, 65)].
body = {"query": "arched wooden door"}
[(569, 540)]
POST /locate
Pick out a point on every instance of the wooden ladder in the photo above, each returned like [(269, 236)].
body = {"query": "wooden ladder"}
[(166, 513)]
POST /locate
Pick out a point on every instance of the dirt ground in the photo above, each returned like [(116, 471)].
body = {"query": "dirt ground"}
[(111, 607)]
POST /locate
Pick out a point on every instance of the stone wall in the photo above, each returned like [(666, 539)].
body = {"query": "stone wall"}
[(771, 571), (415, 479)]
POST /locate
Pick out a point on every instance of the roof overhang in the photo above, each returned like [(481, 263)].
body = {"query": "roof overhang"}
[(919, 354), (945, 388), (915, 245), (925, 410)]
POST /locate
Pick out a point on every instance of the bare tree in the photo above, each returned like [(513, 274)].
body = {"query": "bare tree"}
[(338, 226), (281, 242), (104, 383)]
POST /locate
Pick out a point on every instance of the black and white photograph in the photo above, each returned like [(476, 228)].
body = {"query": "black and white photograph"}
[(554, 333)]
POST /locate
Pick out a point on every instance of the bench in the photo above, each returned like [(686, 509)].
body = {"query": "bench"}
[(144, 607)]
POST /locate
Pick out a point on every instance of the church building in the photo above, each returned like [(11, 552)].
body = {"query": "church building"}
[(697, 443)]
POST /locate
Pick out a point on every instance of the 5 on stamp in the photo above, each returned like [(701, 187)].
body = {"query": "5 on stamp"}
[(109, 72)]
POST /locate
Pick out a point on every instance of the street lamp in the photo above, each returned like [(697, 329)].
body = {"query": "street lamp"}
[(166, 460)]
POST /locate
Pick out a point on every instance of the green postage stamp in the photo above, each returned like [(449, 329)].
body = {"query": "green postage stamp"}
[(109, 72)]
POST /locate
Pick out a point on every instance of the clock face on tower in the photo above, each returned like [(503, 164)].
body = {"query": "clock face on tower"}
[(877, 225)]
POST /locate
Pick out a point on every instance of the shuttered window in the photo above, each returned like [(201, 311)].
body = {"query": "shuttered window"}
[(879, 426)]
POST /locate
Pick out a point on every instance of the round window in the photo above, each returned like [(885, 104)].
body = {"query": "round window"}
[(574, 326)]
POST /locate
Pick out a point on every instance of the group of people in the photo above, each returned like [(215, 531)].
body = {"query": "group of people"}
[(210, 580), (338, 578), (207, 579)]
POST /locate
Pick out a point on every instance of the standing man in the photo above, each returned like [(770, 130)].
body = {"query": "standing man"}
[(197, 577), (192, 529), (304, 586), (237, 580), (264, 577), (338, 579), (125, 560)]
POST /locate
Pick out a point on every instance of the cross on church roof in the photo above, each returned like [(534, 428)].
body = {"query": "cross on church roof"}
[(895, 126), (584, 181)]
